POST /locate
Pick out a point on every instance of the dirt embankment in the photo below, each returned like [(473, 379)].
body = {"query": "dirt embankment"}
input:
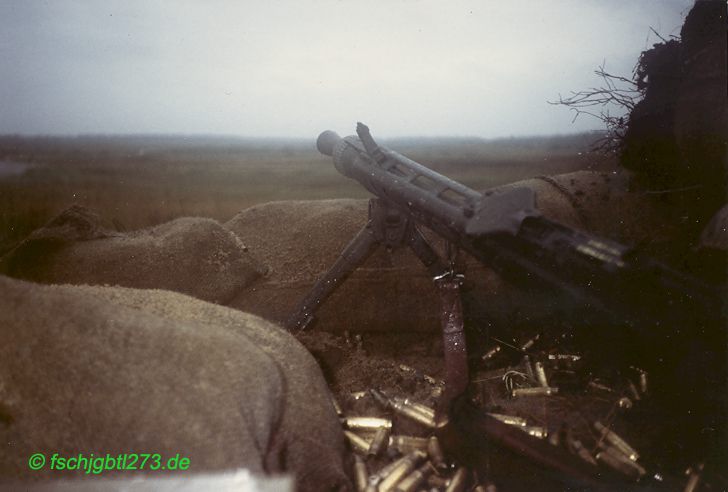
[(677, 136)]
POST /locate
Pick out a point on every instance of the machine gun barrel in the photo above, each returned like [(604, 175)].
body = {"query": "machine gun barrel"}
[(434, 200)]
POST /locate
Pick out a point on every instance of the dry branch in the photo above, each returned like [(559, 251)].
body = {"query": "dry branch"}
[(616, 92)]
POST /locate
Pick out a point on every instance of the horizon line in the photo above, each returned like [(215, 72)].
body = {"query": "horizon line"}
[(279, 137)]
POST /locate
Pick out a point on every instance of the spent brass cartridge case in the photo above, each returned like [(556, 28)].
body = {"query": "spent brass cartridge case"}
[(633, 390), (434, 381), (407, 444), (622, 466), (535, 431), (693, 478), (509, 419), (379, 397), (599, 386), (367, 423), (618, 454), (377, 478), (424, 415), (361, 474), (423, 409), (408, 369), (379, 442), (540, 374), (530, 342), (411, 482), (554, 438), (692, 483), (625, 403), (491, 353), (414, 372), (612, 438), (403, 468), (434, 450), (337, 407), (457, 482), (485, 488), (437, 391), (412, 413), (437, 482), (566, 357), (528, 367), (537, 391), (356, 442), (642, 378), (616, 464)]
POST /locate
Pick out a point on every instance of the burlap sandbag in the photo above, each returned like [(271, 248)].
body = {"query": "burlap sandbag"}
[(194, 256), (299, 240), (114, 370)]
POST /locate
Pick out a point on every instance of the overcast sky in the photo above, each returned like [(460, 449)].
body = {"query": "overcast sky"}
[(294, 68)]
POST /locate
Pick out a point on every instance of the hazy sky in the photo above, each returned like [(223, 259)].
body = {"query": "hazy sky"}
[(294, 68)]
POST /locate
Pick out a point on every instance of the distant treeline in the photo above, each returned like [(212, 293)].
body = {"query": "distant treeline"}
[(24, 147)]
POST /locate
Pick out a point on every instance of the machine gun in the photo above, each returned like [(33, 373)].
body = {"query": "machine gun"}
[(656, 305)]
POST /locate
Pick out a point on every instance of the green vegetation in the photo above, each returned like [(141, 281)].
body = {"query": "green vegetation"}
[(138, 181)]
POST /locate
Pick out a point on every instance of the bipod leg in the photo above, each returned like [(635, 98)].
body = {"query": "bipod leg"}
[(355, 253), (451, 318), (453, 336), (386, 226)]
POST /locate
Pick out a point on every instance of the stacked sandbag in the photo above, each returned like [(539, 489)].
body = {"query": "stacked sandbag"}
[(113, 370), (605, 204), (193, 256), (299, 240)]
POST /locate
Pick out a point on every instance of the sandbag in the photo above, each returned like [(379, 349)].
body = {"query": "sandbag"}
[(604, 204), (300, 240), (193, 256), (115, 370)]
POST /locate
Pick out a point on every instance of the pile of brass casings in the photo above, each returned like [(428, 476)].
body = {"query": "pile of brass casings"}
[(390, 459)]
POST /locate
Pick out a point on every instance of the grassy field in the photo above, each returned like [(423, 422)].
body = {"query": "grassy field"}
[(138, 181)]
